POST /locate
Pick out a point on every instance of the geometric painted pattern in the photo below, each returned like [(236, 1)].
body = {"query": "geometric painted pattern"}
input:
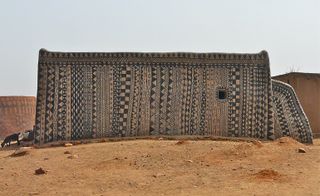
[(289, 116), (95, 95)]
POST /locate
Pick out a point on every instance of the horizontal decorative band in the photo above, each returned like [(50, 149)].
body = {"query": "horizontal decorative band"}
[(194, 58)]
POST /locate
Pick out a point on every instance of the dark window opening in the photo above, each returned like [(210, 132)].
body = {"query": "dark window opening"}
[(222, 94)]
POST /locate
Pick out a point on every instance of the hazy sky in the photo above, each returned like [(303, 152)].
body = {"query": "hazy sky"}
[(288, 29)]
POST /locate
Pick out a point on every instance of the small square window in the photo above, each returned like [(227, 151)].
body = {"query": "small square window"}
[(222, 94)]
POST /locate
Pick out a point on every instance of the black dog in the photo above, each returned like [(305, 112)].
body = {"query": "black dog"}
[(8, 139)]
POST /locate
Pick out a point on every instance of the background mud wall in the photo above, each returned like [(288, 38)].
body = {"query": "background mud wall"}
[(17, 113)]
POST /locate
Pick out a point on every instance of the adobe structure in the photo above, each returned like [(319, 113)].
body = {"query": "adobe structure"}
[(94, 95), (290, 119), (307, 87), (17, 113)]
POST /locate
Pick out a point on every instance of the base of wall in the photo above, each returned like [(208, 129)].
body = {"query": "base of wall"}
[(316, 135)]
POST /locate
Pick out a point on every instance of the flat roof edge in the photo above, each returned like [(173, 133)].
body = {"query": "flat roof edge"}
[(297, 73), (250, 58)]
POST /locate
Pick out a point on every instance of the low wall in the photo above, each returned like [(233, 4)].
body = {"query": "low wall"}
[(290, 119)]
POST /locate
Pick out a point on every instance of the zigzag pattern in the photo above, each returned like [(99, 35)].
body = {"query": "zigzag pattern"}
[(39, 129), (77, 102), (153, 101), (62, 105), (169, 113), (48, 136), (163, 99), (136, 98)]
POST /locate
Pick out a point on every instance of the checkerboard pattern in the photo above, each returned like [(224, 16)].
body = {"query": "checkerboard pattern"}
[(234, 102), (124, 97), (292, 120)]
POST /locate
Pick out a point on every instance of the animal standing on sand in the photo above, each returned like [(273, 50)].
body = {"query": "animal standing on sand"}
[(8, 139), (26, 135)]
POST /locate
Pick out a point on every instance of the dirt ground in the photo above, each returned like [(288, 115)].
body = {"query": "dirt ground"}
[(165, 167)]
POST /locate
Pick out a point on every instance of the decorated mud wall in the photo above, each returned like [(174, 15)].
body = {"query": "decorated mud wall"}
[(290, 119), (17, 113), (94, 95)]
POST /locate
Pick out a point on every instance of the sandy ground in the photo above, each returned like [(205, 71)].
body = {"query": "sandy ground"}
[(165, 167)]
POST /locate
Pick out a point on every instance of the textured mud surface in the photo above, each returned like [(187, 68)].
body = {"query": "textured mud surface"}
[(17, 114), (163, 167)]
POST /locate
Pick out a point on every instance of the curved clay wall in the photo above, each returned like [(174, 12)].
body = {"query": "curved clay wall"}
[(290, 119), (17, 113)]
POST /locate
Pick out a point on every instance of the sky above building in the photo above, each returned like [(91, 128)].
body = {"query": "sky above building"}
[(288, 29)]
